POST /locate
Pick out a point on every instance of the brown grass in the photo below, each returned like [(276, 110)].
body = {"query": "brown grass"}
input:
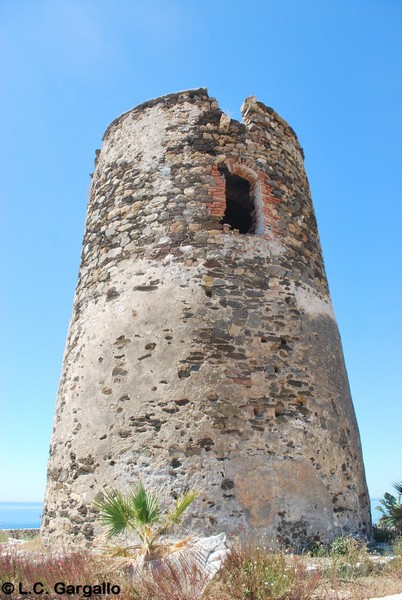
[(249, 573)]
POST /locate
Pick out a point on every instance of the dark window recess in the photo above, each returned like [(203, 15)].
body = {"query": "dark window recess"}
[(239, 213)]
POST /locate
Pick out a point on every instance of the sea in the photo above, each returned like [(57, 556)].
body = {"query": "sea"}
[(27, 515), (20, 515)]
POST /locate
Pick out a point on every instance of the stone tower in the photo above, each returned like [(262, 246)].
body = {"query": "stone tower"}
[(203, 351)]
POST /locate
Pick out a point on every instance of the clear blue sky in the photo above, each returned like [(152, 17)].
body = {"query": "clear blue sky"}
[(331, 68)]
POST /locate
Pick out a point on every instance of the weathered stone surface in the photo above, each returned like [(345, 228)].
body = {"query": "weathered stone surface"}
[(199, 355)]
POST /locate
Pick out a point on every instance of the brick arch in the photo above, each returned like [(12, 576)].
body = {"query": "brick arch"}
[(245, 169), (264, 201)]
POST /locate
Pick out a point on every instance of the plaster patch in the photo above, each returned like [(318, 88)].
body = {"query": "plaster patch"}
[(312, 303)]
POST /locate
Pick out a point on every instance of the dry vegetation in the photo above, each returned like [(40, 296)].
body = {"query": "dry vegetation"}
[(345, 571)]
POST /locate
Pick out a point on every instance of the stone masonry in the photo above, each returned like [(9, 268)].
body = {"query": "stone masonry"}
[(203, 351)]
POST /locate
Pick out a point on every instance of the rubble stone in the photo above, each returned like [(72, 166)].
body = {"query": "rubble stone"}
[(203, 333)]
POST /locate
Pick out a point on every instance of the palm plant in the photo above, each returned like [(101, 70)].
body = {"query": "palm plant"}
[(140, 511), (391, 509)]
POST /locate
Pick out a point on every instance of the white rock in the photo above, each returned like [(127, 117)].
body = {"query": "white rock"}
[(197, 563)]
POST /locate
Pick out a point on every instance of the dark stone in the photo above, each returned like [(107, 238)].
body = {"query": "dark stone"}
[(206, 443), (182, 402), (227, 484), (119, 371)]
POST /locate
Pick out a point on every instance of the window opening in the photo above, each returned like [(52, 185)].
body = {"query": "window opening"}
[(239, 213)]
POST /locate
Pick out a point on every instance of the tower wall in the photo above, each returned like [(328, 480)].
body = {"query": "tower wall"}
[(199, 357)]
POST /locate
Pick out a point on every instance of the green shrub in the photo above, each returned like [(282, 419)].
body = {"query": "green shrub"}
[(391, 510), (253, 573), (318, 548), (349, 558), (383, 534)]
